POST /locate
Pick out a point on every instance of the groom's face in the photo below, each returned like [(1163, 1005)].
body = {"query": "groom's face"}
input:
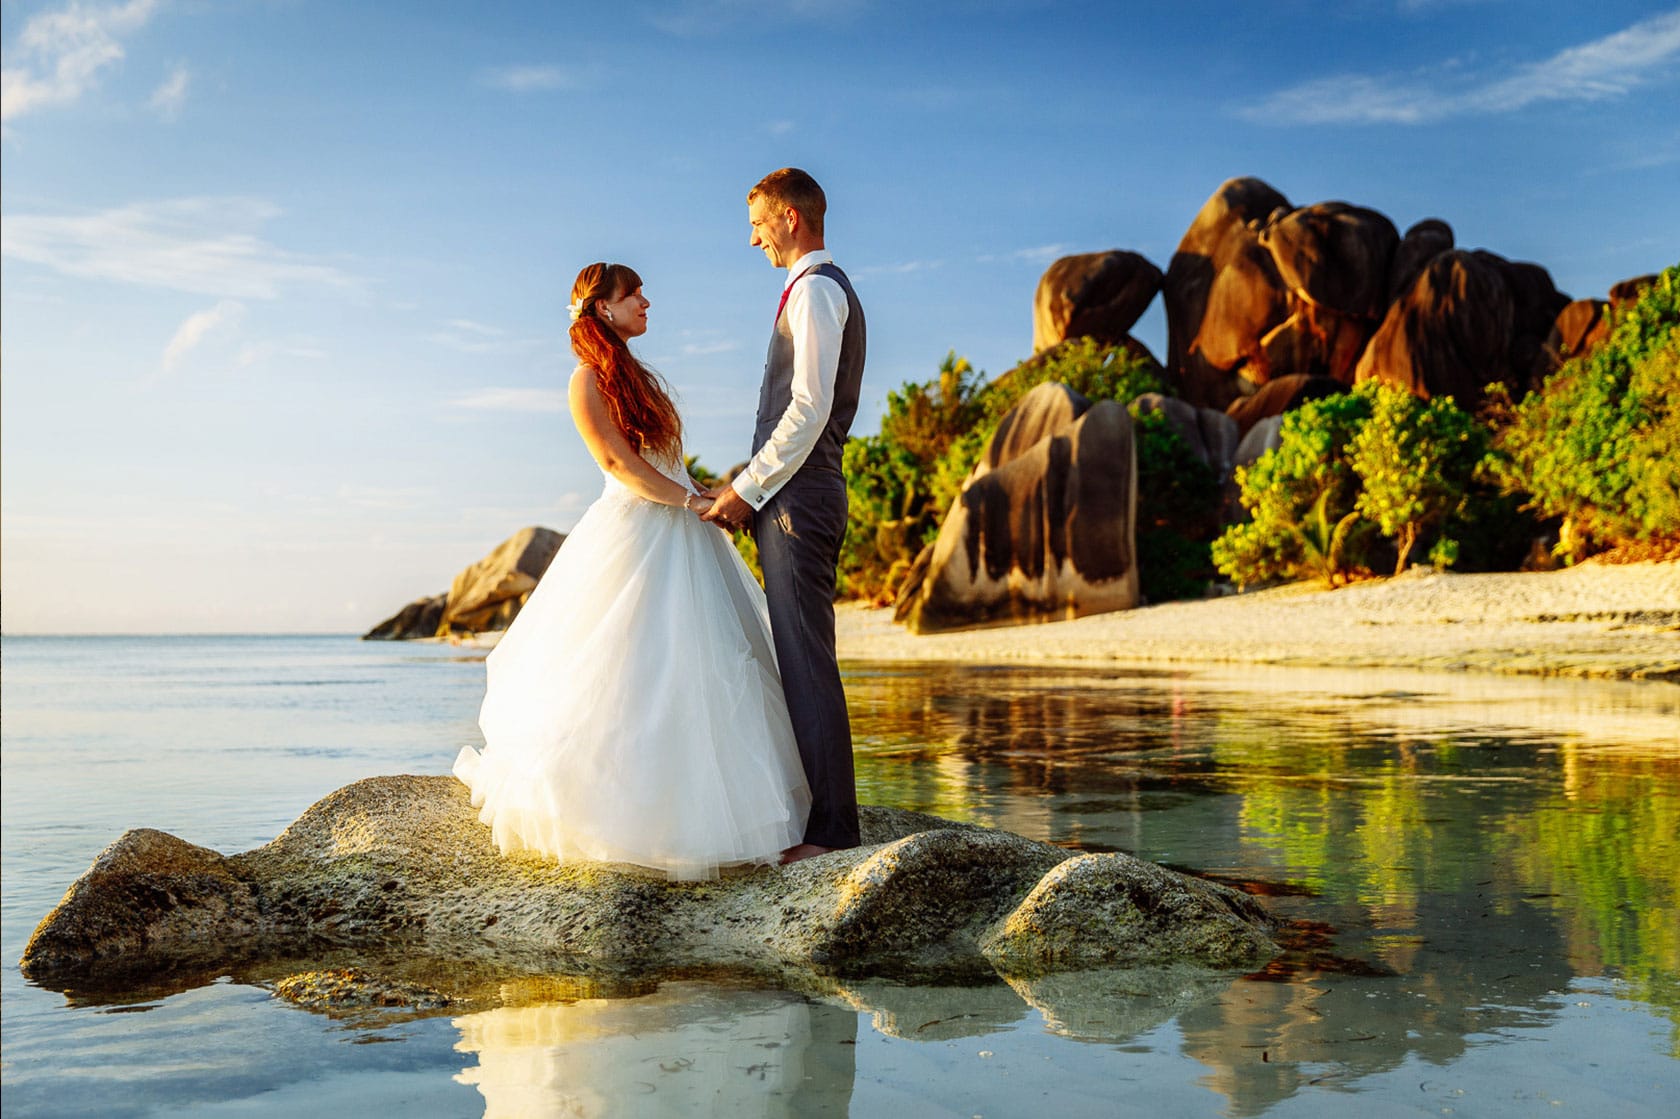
[(772, 229)]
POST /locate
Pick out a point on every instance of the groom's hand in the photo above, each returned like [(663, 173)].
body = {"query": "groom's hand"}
[(730, 510)]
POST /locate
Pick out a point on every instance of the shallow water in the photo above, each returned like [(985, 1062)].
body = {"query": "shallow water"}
[(1481, 879)]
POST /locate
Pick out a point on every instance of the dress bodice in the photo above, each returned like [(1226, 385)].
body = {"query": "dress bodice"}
[(671, 467)]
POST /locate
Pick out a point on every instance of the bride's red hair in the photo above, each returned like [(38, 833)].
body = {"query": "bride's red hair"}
[(637, 398)]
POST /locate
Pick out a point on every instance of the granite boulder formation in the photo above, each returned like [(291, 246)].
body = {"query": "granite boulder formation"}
[(1223, 294), (1468, 320), (403, 863), (1044, 527), (1093, 295), (485, 596)]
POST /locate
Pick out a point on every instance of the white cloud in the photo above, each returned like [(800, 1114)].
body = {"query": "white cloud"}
[(469, 337), (203, 245), (700, 349), (1605, 67), (529, 79), (779, 127), (1033, 254), (63, 51), (514, 400), (167, 99), (193, 330)]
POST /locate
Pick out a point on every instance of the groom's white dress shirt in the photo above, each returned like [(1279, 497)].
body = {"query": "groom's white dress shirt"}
[(816, 314)]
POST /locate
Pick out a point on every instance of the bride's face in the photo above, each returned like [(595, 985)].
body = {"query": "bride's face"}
[(625, 316)]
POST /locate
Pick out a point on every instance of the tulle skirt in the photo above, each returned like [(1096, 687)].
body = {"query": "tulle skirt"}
[(633, 712)]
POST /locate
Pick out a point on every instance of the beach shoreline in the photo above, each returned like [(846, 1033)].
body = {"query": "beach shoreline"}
[(1600, 621)]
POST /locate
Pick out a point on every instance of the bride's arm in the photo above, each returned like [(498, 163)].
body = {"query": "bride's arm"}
[(610, 448)]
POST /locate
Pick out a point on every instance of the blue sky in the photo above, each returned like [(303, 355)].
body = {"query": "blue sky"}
[(283, 281)]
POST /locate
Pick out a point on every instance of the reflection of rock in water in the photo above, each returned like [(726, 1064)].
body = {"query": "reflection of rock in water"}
[(1118, 1004), (934, 1013), (689, 1048)]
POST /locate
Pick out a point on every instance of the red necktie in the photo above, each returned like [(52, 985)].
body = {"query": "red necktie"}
[(787, 291)]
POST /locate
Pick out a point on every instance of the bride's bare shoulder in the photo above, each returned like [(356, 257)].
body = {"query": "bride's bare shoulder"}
[(584, 377)]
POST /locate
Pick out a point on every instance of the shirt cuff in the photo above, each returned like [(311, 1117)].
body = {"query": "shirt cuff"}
[(750, 492)]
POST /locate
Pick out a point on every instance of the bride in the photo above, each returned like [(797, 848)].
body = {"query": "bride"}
[(633, 711)]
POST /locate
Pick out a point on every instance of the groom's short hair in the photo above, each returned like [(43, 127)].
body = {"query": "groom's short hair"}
[(792, 187)]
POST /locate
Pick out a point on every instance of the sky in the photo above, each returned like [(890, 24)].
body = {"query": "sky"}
[(283, 282)]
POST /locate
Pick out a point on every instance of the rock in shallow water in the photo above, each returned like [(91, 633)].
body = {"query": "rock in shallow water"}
[(395, 860)]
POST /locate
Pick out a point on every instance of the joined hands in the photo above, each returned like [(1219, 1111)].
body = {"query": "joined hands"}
[(727, 509)]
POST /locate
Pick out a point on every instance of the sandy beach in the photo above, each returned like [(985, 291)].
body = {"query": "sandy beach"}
[(1595, 620)]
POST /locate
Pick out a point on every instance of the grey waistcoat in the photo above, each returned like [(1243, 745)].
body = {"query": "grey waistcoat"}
[(777, 391)]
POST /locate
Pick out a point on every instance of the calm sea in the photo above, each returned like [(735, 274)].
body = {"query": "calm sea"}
[(1481, 880)]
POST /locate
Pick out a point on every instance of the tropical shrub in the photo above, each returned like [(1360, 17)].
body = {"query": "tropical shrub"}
[(1599, 444), (1300, 498), (1417, 462), (1177, 511), (901, 481), (893, 506)]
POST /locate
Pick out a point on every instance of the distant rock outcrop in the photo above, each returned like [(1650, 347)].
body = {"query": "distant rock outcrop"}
[(1093, 295), (1044, 527), (404, 861), (1583, 324), (485, 596)]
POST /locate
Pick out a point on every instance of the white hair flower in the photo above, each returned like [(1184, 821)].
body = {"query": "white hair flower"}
[(575, 309)]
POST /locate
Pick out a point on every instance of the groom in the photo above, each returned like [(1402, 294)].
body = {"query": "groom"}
[(794, 493)]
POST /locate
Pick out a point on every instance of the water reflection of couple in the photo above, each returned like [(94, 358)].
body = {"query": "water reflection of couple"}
[(691, 1048), (650, 704)]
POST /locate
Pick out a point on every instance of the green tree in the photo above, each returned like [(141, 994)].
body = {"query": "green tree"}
[(893, 508), (1599, 444), (1416, 461), (1300, 498), (1177, 511)]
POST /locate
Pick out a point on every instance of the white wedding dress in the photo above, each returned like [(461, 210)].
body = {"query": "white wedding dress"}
[(633, 711)]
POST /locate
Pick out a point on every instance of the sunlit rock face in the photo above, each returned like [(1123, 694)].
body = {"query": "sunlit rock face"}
[(1583, 324), (1093, 295), (485, 596), (1468, 320), (1333, 259), (1223, 295), (1044, 528), (404, 861), (1280, 395)]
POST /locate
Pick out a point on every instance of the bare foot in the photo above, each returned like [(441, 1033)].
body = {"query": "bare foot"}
[(803, 851)]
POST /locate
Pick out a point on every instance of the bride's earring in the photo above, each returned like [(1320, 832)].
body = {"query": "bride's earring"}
[(608, 315)]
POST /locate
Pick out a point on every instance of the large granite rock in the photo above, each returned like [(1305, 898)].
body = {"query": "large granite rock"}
[(1223, 295), (1468, 320), (1422, 243), (403, 865), (485, 596), (1333, 260), (1280, 395), (1044, 528), (419, 618), (1260, 290), (1211, 435), (1583, 325), (1094, 295), (1449, 333)]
